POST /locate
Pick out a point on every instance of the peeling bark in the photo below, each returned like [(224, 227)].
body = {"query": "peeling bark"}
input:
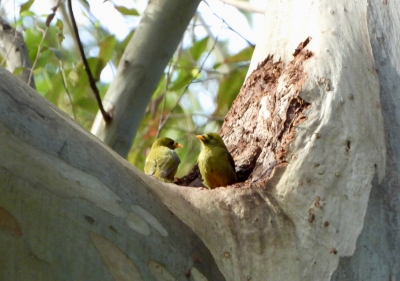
[(303, 205), (261, 121), (321, 148)]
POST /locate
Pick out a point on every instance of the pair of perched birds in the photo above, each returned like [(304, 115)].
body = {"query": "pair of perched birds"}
[(215, 162)]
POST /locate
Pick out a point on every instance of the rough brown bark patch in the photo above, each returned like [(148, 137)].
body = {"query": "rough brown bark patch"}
[(9, 222), (261, 121)]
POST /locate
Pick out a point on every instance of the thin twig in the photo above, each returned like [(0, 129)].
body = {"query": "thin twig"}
[(44, 32), (209, 117), (219, 52), (38, 54), (187, 86), (229, 27), (164, 94), (106, 116), (218, 74), (211, 71), (64, 81), (171, 70), (242, 5)]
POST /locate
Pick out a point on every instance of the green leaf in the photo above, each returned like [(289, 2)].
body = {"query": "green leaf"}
[(85, 3), (60, 37), (60, 25), (18, 70), (56, 52), (198, 48), (184, 62), (96, 66), (216, 65), (127, 12), (229, 88), (182, 81), (27, 14), (26, 6), (160, 87), (243, 55), (107, 47), (45, 56), (48, 84), (88, 103)]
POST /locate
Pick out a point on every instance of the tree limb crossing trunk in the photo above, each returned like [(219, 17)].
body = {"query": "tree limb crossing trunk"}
[(307, 130), (72, 209)]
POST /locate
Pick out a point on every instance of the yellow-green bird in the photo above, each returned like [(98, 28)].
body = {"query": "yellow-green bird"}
[(162, 161), (215, 162)]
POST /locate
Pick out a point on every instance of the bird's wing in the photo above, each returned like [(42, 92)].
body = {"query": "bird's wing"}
[(218, 168), (168, 162), (150, 166)]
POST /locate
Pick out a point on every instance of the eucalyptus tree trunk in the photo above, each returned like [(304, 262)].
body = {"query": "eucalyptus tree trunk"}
[(314, 136), (377, 254)]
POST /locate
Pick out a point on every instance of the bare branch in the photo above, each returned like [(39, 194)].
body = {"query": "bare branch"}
[(106, 115), (187, 87)]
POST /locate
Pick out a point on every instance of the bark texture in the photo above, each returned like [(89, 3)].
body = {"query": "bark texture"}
[(261, 121), (72, 209), (377, 256), (308, 137), (311, 142)]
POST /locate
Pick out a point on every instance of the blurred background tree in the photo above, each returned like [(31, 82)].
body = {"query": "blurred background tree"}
[(194, 94)]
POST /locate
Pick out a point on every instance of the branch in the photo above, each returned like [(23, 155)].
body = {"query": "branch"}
[(140, 69), (228, 26), (164, 121), (106, 115)]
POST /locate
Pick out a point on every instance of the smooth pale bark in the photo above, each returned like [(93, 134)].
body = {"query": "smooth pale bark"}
[(66, 199), (72, 209), (142, 64), (356, 46), (377, 256), (15, 53)]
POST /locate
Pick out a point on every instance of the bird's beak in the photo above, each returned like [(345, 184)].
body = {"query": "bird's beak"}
[(178, 145), (200, 137)]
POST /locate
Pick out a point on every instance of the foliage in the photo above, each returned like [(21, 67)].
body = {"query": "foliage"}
[(193, 96)]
